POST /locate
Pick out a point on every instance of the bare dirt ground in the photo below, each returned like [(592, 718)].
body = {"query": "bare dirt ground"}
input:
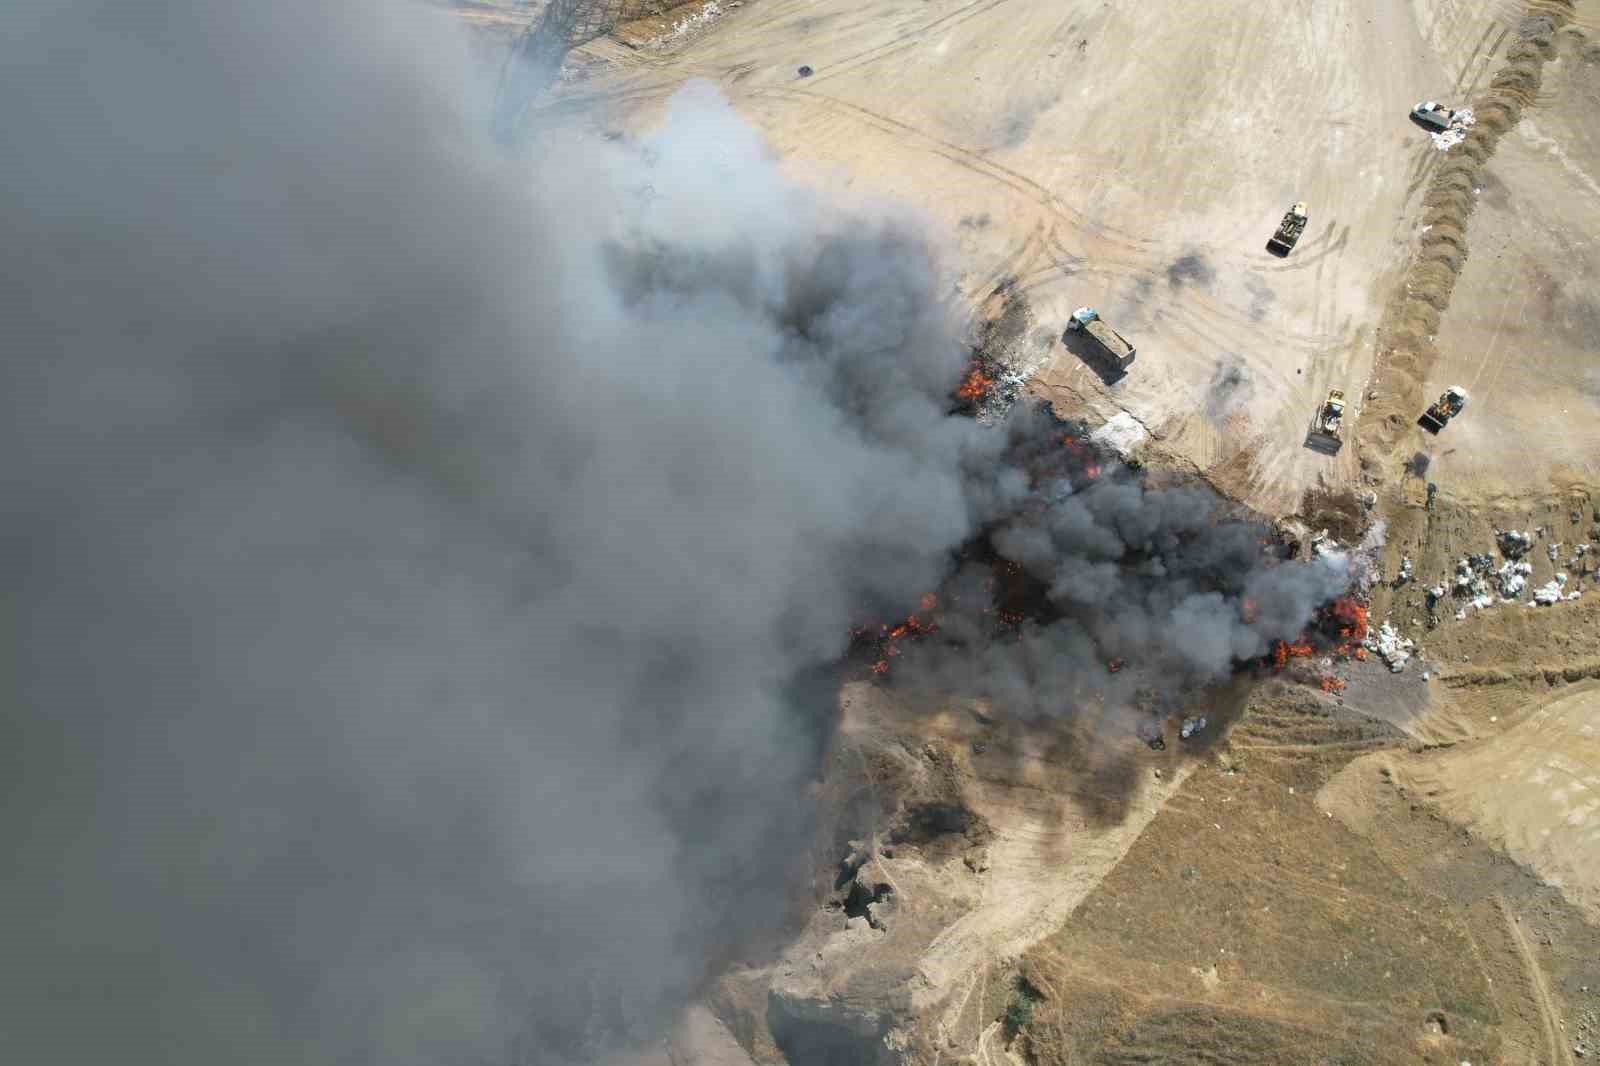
[(1524, 323), (1116, 156), (977, 838), (1534, 789), (1404, 873)]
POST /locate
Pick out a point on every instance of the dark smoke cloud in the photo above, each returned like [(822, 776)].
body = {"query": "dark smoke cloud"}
[(416, 555), (413, 552), (1167, 583)]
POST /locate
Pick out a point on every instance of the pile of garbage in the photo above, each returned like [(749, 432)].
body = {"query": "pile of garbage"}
[(1405, 571), (1478, 576), (1551, 592), (1122, 433), (1513, 577), (1472, 579), (1513, 544), (1395, 650), (1460, 122)]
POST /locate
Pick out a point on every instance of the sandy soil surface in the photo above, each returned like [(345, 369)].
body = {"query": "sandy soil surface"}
[(1523, 328), (1116, 156), (1535, 789), (1293, 904), (1119, 157)]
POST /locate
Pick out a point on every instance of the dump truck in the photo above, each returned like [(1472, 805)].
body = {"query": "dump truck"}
[(1446, 407), (1329, 423), (1110, 345), (1289, 230), (1434, 115)]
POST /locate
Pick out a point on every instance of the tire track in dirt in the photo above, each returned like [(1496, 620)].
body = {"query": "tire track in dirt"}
[(908, 38), (1556, 1051), (1480, 62), (1406, 349), (962, 157)]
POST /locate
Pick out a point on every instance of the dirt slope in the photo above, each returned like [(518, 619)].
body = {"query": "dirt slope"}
[(1534, 789)]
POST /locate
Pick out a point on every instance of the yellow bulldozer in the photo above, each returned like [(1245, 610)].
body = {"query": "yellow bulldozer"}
[(1327, 426)]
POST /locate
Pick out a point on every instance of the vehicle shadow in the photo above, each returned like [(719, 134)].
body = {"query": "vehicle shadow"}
[(1318, 442), (1089, 354)]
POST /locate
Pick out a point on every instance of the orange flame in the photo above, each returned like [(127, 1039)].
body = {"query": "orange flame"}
[(1283, 651), (1351, 617), (888, 635), (976, 385)]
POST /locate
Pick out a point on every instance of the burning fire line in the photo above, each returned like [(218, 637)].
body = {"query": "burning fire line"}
[(886, 638), (1338, 629), (1336, 632)]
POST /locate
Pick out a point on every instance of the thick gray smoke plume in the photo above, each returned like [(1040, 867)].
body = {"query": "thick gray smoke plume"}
[(416, 556), (1118, 592)]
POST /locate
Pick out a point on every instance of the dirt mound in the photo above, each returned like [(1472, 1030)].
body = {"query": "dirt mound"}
[(1411, 322)]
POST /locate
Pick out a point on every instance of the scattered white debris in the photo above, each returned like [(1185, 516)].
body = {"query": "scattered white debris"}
[(708, 13), (1191, 726), (1121, 433), (1472, 573), (1552, 550), (1550, 592), (1547, 594), (1435, 594), (1391, 647), (1460, 122), (1513, 578), (1405, 571)]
